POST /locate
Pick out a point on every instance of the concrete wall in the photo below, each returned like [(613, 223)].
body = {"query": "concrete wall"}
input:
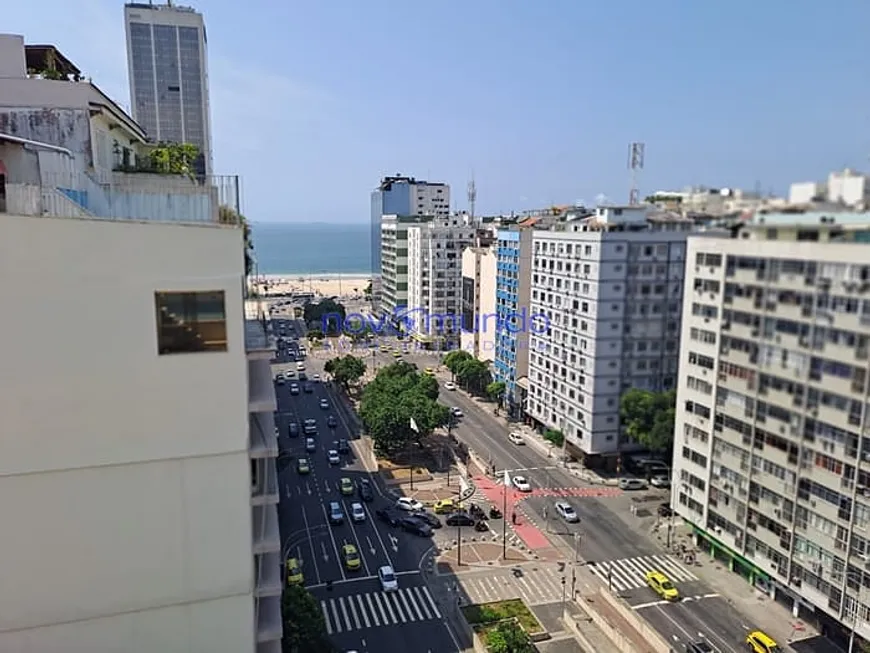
[(124, 475)]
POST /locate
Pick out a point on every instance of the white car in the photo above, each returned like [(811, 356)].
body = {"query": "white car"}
[(408, 504), (324, 404), (279, 379), (457, 412), (660, 481), (300, 366), (522, 484), (316, 378), (450, 385), (517, 438), (333, 457), (357, 512), (389, 582), (566, 512)]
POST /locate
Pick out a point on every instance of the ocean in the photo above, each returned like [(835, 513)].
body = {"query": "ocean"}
[(312, 248)]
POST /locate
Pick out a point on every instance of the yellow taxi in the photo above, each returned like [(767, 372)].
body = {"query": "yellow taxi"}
[(444, 506), (385, 349), (662, 585), (346, 485), (294, 572), (430, 371), (397, 354), (351, 557), (761, 643)]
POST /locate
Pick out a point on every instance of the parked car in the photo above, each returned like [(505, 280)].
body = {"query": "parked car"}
[(460, 519), (566, 512), (631, 484), (408, 504), (389, 581), (416, 526), (388, 516), (365, 490)]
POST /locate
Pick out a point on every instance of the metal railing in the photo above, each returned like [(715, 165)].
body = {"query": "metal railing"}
[(128, 196)]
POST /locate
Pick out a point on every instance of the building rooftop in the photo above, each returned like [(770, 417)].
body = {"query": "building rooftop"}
[(42, 58)]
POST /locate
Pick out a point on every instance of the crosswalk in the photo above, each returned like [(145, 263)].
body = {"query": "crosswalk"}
[(534, 586), (577, 492), (373, 609), (629, 573)]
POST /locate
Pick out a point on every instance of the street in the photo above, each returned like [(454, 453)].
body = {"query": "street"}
[(359, 615), (609, 553)]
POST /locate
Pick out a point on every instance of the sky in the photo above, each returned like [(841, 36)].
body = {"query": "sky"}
[(313, 101)]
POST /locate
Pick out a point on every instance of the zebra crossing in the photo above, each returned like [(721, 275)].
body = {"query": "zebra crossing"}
[(630, 573), (534, 586), (345, 614)]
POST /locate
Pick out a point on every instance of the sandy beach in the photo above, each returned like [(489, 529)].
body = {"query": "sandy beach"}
[(332, 285)]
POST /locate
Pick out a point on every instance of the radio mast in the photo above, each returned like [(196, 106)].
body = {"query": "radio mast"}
[(636, 155), (472, 197)]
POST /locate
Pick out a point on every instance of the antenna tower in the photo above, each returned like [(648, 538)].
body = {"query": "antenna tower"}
[(472, 197), (636, 156)]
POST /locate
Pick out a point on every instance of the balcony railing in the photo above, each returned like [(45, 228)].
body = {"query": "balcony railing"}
[(128, 196)]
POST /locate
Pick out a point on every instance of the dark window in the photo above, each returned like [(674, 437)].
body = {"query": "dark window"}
[(190, 322)]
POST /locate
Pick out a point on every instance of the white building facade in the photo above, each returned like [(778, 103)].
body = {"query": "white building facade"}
[(772, 439), (610, 287), (435, 279), (479, 317), (140, 479)]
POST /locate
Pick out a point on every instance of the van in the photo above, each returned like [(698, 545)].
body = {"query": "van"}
[(761, 643)]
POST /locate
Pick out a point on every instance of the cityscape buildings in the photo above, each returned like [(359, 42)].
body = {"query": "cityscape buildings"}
[(772, 440), (402, 196), (167, 64), (479, 317), (610, 287), (141, 478)]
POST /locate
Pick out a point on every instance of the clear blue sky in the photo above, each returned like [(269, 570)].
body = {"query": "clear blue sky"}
[(313, 101)]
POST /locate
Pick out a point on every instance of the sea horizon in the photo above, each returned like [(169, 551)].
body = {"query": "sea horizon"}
[(312, 249)]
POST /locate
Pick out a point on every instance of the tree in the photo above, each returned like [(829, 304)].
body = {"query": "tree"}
[(345, 370), (648, 417), (509, 637), (454, 359), (389, 402), (555, 436), (495, 390), (473, 375), (327, 314), (314, 333), (304, 624), (172, 158), (228, 215)]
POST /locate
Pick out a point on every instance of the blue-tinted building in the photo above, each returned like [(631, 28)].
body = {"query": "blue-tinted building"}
[(513, 284)]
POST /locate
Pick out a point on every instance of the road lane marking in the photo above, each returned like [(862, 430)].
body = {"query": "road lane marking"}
[(425, 591), (357, 540), (372, 609), (334, 545), (414, 604), (344, 612), (378, 535), (407, 607), (326, 617), (362, 610), (381, 609), (394, 600), (335, 615), (422, 602), (311, 544), (389, 607)]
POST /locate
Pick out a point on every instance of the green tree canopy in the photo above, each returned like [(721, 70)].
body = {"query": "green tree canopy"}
[(555, 436), (648, 417), (509, 637), (345, 370), (473, 375), (397, 394), (454, 359), (313, 315), (495, 390), (304, 624)]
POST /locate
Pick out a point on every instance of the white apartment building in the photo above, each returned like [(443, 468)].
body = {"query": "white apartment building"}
[(393, 297), (772, 439), (137, 477), (478, 308), (609, 287), (167, 61), (435, 279), (843, 187)]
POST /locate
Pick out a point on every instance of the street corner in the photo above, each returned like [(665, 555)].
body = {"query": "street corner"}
[(393, 474), (428, 496), (457, 557)]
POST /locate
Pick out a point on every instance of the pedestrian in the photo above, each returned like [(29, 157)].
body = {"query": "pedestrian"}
[(514, 518)]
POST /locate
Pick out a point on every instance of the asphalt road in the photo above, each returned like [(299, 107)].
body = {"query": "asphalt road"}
[(358, 614), (613, 555)]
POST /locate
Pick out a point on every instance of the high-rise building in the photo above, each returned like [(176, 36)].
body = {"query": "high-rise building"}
[(141, 478), (168, 72), (402, 196), (610, 285), (480, 326), (435, 279), (513, 295), (772, 441)]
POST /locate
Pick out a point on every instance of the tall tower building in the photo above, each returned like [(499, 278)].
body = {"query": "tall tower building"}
[(168, 71)]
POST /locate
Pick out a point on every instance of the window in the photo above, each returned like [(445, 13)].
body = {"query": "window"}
[(190, 322)]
